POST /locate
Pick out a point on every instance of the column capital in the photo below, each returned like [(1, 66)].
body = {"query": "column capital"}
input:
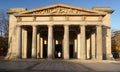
[(66, 25), (34, 25), (98, 25), (82, 25), (50, 25), (19, 25)]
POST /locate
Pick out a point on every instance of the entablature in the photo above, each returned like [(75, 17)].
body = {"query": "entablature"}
[(61, 23), (59, 18)]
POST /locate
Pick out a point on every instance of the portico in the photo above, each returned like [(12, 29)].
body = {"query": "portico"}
[(74, 32)]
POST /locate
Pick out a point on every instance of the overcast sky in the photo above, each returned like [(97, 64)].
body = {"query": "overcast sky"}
[(30, 4)]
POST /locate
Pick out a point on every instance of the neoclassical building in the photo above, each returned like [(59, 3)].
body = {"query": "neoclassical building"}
[(73, 32)]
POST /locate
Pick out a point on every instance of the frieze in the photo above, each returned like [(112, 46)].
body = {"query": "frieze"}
[(59, 10)]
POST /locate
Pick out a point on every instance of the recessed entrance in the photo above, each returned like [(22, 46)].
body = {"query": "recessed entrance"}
[(58, 44), (71, 49), (44, 51), (58, 51)]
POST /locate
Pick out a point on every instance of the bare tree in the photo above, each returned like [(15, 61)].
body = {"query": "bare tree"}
[(3, 23), (3, 33)]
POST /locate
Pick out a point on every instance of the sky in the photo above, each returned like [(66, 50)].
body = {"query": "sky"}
[(31, 4)]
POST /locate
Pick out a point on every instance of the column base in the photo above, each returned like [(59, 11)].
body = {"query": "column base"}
[(83, 58), (11, 56), (49, 58), (34, 57), (66, 58), (99, 58), (109, 57)]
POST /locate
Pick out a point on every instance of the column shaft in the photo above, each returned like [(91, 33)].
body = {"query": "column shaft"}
[(83, 43), (75, 48), (78, 40), (19, 52), (41, 47), (34, 42), (53, 48), (99, 42), (50, 42), (38, 45), (66, 42), (93, 45), (108, 45), (24, 43), (88, 48)]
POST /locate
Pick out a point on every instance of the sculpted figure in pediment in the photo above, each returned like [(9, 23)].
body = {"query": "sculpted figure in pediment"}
[(59, 10)]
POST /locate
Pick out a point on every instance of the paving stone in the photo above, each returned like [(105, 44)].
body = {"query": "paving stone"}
[(57, 66)]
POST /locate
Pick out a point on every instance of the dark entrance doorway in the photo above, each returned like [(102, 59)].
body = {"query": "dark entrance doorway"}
[(44, 51), (29, 44), (58, 49), (71, 51)]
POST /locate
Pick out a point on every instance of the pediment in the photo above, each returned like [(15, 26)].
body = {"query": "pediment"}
[(60, 9)]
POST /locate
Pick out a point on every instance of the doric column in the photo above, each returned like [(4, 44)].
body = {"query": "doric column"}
[(78, 47), (34, 42), (108, 45), (66, 42), (41, 47), (38, 45), (93, 45), (75, 48), (88, 48), (24, 43), (53, 48), (99, 42), (83, 43), (50, 42), (19, 52)]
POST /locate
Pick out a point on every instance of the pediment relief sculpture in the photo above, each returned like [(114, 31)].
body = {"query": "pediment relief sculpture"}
[(59, 10)]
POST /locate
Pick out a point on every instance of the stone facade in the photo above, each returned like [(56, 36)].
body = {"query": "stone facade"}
[(73, 31)]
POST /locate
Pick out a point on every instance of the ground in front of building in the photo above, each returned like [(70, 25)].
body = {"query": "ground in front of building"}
[(58, 66)]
